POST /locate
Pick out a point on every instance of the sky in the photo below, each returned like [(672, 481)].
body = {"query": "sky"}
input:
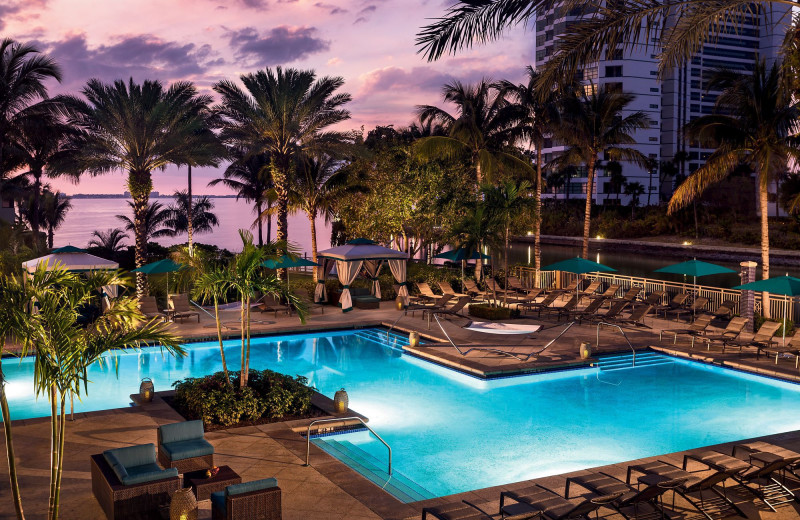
[(370, 43)]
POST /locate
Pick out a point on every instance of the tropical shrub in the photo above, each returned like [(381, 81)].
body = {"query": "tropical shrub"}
[(490, 312)]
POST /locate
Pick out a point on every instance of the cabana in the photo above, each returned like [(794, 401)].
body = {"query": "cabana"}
[(350, 259), (73, 259)]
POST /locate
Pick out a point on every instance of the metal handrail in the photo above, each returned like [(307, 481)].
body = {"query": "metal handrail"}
[(338, 419), (623, 335)]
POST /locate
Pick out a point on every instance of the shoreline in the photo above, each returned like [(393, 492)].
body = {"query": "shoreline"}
[(782, 257)]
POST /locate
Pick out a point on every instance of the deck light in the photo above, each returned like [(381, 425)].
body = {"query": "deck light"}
[(413, 339), (340, 401), (146, 389)]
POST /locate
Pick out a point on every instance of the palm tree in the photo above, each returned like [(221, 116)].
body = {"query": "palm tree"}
[(283, 112), (178, 215), (109, 241), (319, 183), (250, 177), (634, 190), (55, 207), (754, 124), (213, 284), (508, 204), (64, 350), (539, 115), (153, 221), (139, 128), (476, 230), (592, 124)]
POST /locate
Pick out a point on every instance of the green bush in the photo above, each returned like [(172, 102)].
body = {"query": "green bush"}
[(759, 320), (269, 394), (489, 312)]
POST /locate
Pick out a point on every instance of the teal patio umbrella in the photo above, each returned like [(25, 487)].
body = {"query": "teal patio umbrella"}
[(68, 249), (460, 255), (578, 266), (784, 285), (695, 268), (166, 265), (285, 262)]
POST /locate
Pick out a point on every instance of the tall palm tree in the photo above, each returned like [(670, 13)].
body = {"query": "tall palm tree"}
[(139, 128), (319, 183), (178, 215), (539, 115), (755, 124), (54, 209), (250, 177), (109, 241), (283, 112), (509, 204), (213, 284), (592, 124), (153, 222)]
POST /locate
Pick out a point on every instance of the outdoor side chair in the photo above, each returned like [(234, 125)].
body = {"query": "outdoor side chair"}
[(182, 445), (256, 500), (552, 505)]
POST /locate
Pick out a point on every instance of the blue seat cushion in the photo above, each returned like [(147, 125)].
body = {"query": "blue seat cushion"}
[(180, 431), (116, 466), (218, 500), (370, 299), (148, 473), (187, 449), (122, 459), (255, 485)]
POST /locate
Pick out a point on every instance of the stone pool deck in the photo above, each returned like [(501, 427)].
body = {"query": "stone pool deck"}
[(329, 489)]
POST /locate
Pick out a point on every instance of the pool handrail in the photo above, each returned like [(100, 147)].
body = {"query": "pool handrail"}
[(623, 335), (339, 419)]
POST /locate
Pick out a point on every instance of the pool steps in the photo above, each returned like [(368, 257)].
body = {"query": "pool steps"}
[(374, 470), (625, 361), (379, 336)]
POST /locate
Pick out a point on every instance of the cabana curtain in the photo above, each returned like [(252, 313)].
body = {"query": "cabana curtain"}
[(347, 273), (373, 267), (398, 268), (320, 292)]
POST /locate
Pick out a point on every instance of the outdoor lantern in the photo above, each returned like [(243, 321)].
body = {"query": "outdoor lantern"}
[(146, 390), (586, 350), (413, 339), (399, 303), (183, 505), (340, 401)]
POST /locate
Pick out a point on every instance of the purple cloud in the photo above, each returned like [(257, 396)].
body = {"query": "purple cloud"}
[(280, 45), (332, 9)]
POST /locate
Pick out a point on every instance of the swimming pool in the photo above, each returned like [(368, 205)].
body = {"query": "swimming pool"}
[(451, 432)]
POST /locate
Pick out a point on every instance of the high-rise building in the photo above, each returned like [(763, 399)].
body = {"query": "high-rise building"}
[(669, 102)]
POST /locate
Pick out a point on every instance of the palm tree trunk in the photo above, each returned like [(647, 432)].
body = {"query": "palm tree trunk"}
[(37, 193), (219, 337), (140, 184), (247, 363), (189, 209), (51, 233), (587, 218), (53, 448), (12, 461), (269, 225), (260, 224), (479, 260), (60, 469), (764, 203), (537, 225), (242, 381), (313, 221), (505, 268)]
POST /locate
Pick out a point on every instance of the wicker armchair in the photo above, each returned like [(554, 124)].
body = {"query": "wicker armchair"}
[(132, 501), (182, 445), (256, 500)]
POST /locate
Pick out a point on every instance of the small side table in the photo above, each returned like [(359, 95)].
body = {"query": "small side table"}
[(170, 313), (203, 487)]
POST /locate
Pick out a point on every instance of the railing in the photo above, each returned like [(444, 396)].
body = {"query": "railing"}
[(716, 295), (337, 419)]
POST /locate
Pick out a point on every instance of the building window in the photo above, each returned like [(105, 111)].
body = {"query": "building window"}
[(540, 40), (653, 89), (615, 87), (614, 71), (590, 73), (653, 122), (694, 107), (654, 73), (540, 55), (652, 105), (614, 55), (654, 139)]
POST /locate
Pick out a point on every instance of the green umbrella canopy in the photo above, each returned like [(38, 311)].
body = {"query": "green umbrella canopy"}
[(784, 285), (695, 268), (68, 249), (362, 242), (578, 265), (162, 266), (287, 261), (457, 255)]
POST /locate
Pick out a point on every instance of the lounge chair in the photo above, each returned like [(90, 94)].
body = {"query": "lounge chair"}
[(530, 296), (180, 307), (564, 310), (629, 296), (763, 338), (698, 328), (654, 299), (515, 284), (643, 503), (268, 303), (676, 302), (749, 448), (182, 445), (473, 289), (468, 511), (608, 293), (546, 302), (149, 307), (636, 318), (440, 303), (725, 309), (454, 310), (697, 305), (588, 311), (307, 301), (568, 290), (446, 288), (495, 289), (615, 310), (590, 289), (425, 292), (731, 332), (551, 505), (792, 347), (718, 506), (255, 500), (758, 479)]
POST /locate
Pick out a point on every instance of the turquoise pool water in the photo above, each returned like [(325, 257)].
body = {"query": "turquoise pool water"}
[(451, 432)]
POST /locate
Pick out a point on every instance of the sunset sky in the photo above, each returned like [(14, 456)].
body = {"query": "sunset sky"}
[(368, 42)]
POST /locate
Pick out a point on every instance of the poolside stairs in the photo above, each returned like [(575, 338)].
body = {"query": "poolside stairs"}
[(379, 336), (625, 361), (373, 469)]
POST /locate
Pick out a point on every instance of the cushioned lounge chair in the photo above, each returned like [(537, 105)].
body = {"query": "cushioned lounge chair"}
[(149, 307), (698, 328), (641, 503), (269, 303), (256, 500), (473, 289), (551, 505), (446, 288), (697, 306), (181, 308), (128, 483), (182, 445), (426, 294), (693, 489)]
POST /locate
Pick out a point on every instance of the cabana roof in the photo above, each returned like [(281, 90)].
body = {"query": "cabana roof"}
[(71, 261), (362, 249)]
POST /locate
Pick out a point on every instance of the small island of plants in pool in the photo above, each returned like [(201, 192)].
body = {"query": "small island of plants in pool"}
[(221, 403)]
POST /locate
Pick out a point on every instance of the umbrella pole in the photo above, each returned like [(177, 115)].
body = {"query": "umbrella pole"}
[(785, 308)]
